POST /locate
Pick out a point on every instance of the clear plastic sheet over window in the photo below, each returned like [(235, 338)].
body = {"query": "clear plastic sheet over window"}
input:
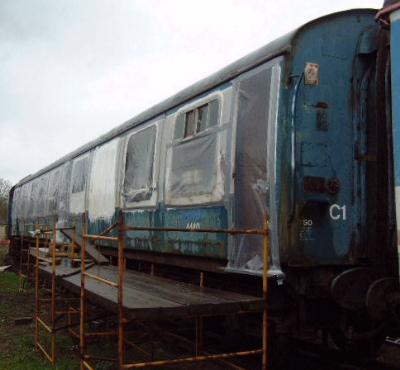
[(138, 180), (20, 197), (195, 173), (58, 192), (255, 179), (44, 196), (79, 175), (36, 203), (77, 189), (40, 195), (102, 185)]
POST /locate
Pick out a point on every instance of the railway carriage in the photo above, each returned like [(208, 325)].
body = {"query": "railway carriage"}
[(300, 129)]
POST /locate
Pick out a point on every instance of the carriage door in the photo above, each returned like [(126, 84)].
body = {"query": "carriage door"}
[(257, 99)]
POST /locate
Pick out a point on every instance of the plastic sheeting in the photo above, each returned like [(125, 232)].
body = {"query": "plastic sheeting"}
[(79, 176), (58, 191), (138, 180), (255, 170), (40, 195), (102, 190), (44, 196), (31, 199), (195, 173), (17, 210)]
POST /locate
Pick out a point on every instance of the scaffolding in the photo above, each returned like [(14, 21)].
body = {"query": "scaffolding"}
[(26, 265), (49, 300), (200, 355), (129, 323)]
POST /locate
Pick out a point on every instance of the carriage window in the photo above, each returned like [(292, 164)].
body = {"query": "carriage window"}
[(197, 120), (179, 127), (202, 118), (213, 114), (41, 195), (79, 176), (138, 181), (196, 170), (53, 191)]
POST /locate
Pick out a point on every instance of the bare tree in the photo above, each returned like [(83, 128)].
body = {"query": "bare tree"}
[(5, 187)]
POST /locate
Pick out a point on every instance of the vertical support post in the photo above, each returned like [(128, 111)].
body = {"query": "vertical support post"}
[(28, 268), (37, 308), (73, 242), (21, 254), (201, 280), (200, 328), (69, 317), (82, 305), (121, 266), (53, 294), (265, 294)]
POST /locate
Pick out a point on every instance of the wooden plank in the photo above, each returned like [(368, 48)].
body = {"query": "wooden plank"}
[(190, 299), (62, 271), (163, 286), (91, 250), (151, 297), (154, 297), (137, 304)]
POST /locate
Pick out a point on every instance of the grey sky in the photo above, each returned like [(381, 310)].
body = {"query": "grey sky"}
[(70, 70)]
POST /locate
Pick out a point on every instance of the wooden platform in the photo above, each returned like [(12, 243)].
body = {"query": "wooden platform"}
[(152, 298)]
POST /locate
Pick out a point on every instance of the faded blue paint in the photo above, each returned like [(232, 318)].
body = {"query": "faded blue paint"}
[(182, 243), (142, 239), (97, 226), (325, 137), (192, 243)]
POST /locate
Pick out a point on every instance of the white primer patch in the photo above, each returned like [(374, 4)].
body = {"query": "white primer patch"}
[(102, 197)]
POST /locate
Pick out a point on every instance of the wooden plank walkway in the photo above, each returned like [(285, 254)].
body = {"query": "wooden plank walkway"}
[(152, 298)]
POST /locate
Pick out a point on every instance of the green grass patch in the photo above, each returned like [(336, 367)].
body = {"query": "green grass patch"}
[(18, 349), (23, 355), (9, 282)]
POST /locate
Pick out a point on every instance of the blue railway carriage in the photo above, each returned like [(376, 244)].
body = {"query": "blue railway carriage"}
[(299, 129)]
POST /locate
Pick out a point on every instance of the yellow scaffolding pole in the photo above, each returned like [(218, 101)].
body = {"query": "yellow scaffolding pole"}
[(49, 325), (119, 286)]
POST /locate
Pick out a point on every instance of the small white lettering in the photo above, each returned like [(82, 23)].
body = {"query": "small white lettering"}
[(193, 225), (308, 223)]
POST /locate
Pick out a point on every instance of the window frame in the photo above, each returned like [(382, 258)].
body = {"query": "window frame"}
[(214, 197), (83, 163), (151, 201), (77, 200), (193, 110)]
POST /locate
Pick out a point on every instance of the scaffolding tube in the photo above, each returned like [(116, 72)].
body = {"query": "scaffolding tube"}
[(52, 301), (199, 327)]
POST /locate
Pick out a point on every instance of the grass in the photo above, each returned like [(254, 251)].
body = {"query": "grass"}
[(9, 282), (18, 349), (17, 342)]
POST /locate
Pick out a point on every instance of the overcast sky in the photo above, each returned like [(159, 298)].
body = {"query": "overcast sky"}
[(71, 70)]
